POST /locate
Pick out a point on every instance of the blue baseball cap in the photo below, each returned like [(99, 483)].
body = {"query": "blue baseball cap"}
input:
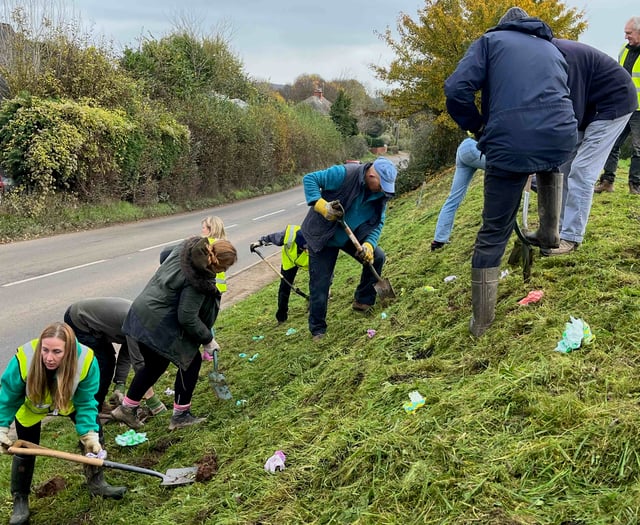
[(388, 173)]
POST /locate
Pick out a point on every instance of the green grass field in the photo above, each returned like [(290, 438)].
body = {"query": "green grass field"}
[(511, 432)]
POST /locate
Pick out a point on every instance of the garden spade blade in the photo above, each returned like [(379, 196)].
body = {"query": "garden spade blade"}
[(218, 381)]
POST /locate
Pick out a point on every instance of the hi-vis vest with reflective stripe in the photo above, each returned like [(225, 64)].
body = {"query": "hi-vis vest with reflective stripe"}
[(221, 278), (635, 71), (30, 413), (290, 257)]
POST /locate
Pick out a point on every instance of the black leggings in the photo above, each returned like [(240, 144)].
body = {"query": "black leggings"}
[(154, 366)]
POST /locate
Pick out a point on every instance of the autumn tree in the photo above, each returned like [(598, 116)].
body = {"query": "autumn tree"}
[(429, 48)]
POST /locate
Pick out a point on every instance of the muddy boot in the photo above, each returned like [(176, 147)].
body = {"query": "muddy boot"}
[(98, 486), (547, 235), (484, 293), (127, 415), (604, 186), (21, 476)]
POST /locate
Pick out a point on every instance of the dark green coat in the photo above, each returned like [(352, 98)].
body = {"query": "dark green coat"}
[(174, 313)]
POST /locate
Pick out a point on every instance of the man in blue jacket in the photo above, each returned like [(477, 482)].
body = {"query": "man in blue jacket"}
[(604, 98), (526, 126), (359, 194)]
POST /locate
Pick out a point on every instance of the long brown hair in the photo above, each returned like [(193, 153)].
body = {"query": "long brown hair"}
[(222, 255), (61, 389)]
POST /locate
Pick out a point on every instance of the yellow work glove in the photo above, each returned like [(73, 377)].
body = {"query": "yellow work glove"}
[(5, 442), (366, 254), (329, 210), (90, 442)]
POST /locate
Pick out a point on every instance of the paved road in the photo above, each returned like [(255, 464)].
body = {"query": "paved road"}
[(39, 279)]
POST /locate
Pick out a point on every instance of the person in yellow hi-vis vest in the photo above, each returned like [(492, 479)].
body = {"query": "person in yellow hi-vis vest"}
[(294, 256), (56, 375)]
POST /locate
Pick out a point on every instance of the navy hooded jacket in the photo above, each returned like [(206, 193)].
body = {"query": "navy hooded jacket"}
[(528, 118), (601, 89)]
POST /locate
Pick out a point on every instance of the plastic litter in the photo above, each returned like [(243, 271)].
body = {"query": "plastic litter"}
[(275, 462), (100, 455), (428, 288), (258, 337), (504, 273), (532, 297), (371, 333), (576, 334), (450, 278), (253, 357), (241, 402), (291, 331), (416, 401), (383, 315), (242, 355), (168, 392), (131, 438)]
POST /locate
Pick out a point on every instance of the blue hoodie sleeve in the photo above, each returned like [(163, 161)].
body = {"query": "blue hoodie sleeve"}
[(461, 87), (316, 182)]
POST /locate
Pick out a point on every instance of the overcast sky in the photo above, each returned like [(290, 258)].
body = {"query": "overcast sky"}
[(281, 39)]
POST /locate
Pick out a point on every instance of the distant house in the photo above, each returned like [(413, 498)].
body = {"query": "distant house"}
[(318, 102)]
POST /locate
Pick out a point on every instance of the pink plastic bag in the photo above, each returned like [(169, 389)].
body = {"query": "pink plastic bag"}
[(275, 462), (532, 297)]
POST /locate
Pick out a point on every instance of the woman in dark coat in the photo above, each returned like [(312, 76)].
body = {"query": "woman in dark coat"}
[(171, 319)]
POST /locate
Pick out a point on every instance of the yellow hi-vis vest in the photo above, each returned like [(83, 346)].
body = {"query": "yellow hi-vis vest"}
[(635, 71), (290, 257), (30, 413), (221, 278)]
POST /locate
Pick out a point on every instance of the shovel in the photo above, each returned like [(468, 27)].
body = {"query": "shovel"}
[(174, 476), (218, 381), (383, 287), (294, 288)]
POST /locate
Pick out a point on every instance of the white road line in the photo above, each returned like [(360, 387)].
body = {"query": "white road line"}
[(301, 203), (53, 273), (268, 215), (159, 245), (230, 226)]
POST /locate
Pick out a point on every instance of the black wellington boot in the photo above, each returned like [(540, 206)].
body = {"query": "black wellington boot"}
[(484, 294), (98, 486), (21, 476), (547, 235)]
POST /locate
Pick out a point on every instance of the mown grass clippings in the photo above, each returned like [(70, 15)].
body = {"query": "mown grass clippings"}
[(511, 432)]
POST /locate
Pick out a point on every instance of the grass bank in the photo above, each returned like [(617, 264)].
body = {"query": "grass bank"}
[(512, 432)]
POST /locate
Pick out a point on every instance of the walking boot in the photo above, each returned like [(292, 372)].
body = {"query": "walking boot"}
[(484, 293), (21, 476), (98, 486), (634, 188), (547, 235), (128, 415), (604, 186)]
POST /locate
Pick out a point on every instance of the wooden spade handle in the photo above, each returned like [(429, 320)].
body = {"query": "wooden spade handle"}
[(358, 246), (26, 448)]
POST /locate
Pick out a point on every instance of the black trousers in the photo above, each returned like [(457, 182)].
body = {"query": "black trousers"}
[(154, 366), (502, 192)]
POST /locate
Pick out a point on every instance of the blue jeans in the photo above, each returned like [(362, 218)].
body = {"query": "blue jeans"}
[(502, 192), (611, 165), (468, 160), (321, 266), (581, 172)]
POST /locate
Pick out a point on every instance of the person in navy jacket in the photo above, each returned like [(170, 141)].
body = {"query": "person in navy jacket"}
[(526, 125)]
